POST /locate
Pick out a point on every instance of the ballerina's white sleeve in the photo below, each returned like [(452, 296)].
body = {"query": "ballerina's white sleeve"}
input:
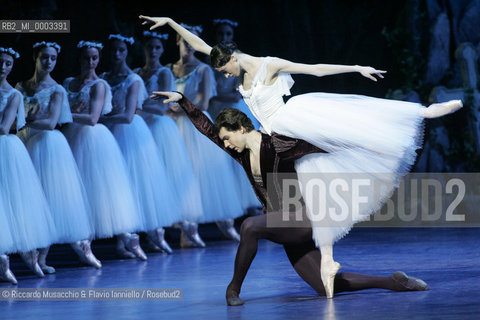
[(20, 123)]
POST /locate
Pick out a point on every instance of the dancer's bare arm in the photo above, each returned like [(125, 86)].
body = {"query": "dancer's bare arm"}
[(194, 41), (278, 65), (10, 113)]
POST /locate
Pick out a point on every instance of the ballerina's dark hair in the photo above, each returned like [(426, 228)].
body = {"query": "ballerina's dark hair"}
[(232, 119), (221, 53)]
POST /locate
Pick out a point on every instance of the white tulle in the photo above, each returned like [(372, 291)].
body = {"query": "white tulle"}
[(103, 169), (106, 179), (181, 179), (26, 220), (373, 137), (213, 168), (214, 172), (147, 174), (62, 183)]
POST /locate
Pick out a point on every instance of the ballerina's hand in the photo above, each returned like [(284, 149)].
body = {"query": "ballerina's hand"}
[(171, 96), (157, 21), (369, 72)]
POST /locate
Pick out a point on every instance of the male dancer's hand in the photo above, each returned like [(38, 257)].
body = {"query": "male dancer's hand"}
[(171, 96)]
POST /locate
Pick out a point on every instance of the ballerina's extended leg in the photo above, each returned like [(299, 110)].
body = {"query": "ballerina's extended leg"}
[(436, 110), (328, 269)]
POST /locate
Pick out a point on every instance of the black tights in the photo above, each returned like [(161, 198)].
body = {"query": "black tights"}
[(302, 253)]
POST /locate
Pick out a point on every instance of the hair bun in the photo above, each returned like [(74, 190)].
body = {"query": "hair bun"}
[(228, 46)]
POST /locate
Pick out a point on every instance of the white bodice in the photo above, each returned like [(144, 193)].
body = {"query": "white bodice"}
[(119, 92), (80, 100), (189, 84), (39, 103), (4, 97), (266, 101), (152, 85)]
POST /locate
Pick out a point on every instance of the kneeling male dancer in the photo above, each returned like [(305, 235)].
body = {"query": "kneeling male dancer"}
[(260, 154)]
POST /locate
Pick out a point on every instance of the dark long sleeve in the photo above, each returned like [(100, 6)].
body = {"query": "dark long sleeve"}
[(204, 125)]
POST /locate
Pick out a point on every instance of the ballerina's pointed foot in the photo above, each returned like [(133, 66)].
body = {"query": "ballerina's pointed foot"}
[(31, 260), (328, 272), (227, 227), (407, 283), (5, 272), (190, 236), (162, 243), (440, 109), (133, 245)]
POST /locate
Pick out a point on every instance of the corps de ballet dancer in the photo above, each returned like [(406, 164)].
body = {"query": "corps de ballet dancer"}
[(213, 169), (25, 219), (148, 175), (46, 107), (98, 156), (181, 179)]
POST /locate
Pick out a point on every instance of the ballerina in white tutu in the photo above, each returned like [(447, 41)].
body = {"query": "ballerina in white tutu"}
[(147, 172), (181, 178), (213, 169), (25, 219), (98, 156), (374, 137), (46, 106)]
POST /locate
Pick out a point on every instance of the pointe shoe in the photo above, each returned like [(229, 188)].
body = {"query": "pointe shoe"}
[(408, 283), (42, 261), (151, 246), (5, 272), (133, 245), (31, 260), (233, 298), (228, 229), (440, 109), (123, 253), (185, 242), (161, 242), (192, 234), (91, 259), (84, 251), (327, 273)]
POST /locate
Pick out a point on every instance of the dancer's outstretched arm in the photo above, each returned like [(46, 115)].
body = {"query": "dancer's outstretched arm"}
[(198, 118), (278, 65), (192, 39)]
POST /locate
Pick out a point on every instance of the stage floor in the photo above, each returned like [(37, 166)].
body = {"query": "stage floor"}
[(447, 259)]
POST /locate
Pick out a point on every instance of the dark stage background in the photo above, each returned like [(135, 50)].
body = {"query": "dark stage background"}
[(332, 31)]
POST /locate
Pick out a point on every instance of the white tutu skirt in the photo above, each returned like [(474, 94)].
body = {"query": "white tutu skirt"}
[(147, 174), (367, 138), (214, 170), (106, 179), (25, 219), (61, 182), (181, 178)]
